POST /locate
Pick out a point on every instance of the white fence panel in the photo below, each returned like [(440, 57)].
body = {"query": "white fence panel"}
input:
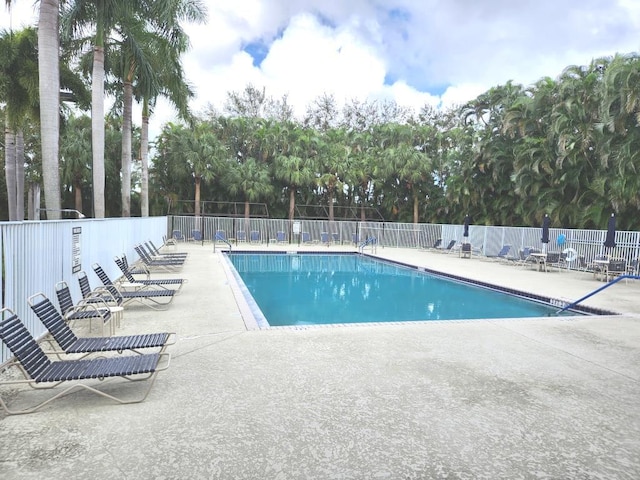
[(37, 255)]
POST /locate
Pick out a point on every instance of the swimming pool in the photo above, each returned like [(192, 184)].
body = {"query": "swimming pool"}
[(310, 289)]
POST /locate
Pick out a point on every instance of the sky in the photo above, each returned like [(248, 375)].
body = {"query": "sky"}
[(416, 52)]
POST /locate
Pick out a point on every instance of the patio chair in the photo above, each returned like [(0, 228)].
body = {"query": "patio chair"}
[(221, 236), (84, 310), (241, 236), (281, 237), (157, 282), (306, 237), (42, 373), (177, 236), (632, 268), (254, 236), (158, 299), (465, 250), (196, 235), (70, 343), (555, 259), (617, 267)]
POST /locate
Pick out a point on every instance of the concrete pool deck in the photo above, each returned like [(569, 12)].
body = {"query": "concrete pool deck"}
[(494, 399)]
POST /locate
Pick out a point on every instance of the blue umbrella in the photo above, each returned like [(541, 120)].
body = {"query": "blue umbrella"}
[(610, 240)]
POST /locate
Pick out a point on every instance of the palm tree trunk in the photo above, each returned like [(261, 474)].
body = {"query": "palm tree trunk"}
[(49, 87), (97, 129), (20, 175), (10, 170), (126, 149), (144, 158), (77, 193), (292, 203), (415, 208), (197, 199), (331, 204)]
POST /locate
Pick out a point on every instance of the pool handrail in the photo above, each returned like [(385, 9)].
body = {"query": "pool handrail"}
[(219, 238), (607, 285)]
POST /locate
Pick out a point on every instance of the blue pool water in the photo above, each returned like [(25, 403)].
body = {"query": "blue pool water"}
[(303, 289)]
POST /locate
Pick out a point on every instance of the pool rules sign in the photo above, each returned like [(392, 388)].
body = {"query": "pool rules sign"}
[(76, 264)]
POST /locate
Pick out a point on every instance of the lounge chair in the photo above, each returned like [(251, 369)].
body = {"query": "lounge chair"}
[(503, 254), (449, 248), (95, 310), (143, 295), (324, 238), (169, 242), (221, 236), (169, 257), (70, 343), (196, 236), (254, 236), (158, 264), (241, 236), (139, 268), (159, 282), (436, 244), (281, 237), (306, 237), (41, 372), (99, 295), (155, 251)]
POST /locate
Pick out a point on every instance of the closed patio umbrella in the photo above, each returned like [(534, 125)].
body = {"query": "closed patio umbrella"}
[(546, 223), (467, 221), (610, 240)]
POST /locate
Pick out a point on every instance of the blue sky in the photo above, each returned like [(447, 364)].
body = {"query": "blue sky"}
[(417, 52)]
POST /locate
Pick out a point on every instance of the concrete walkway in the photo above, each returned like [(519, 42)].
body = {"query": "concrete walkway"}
[(501, 399)]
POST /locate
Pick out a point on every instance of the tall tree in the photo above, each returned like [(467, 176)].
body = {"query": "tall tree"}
[(19, 92), (49, 90)]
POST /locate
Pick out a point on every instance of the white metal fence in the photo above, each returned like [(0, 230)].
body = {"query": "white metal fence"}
[(489, 240), (37, 255)]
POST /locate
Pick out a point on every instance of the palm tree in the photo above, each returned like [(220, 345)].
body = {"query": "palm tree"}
[(151, 45), (293, 164), (203, 152), (19, 92), (101, 16), (75, 153), (331, 154), (49, 88), (250, 179)]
